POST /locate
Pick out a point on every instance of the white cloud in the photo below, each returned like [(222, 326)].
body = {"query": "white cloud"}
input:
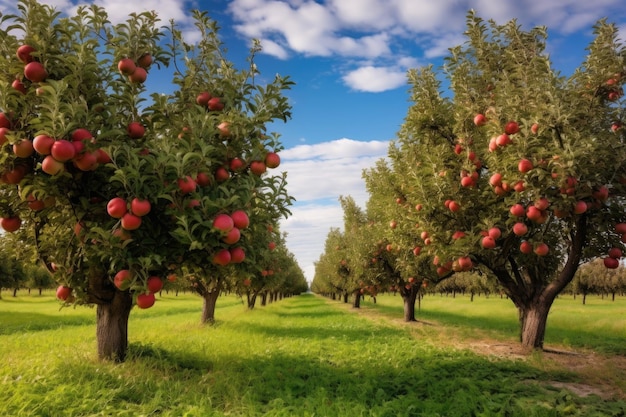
[(316, 176), (375, 79)]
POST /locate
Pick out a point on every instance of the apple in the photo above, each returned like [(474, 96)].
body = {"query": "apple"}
[(424, 235), (203, 98), (223, 222), (237, 255), (63, 292), (126, 66), (103, 157), (417, 250), (620, 228), (136, 130), (615, 253), (534, 128), (215, 104), (525, 247), (145, 61), (187, 185), (43, 144), (140, 207), (79, 147), (542, 203), (272, 160), (203, 179), (87, 161), (601, 194), (145, 300), (130, 221), (116, 207), (3, 135), (517, 210), (520, 229), (221, 174), (10, 224), (138, 76), (121, 234), (611, 263), (534, 214), (24, 53), (511, 128), (23, 148), (5, 121), (257, 167), (35, 204), (495, 179), (480, 120), (580, 207), (35, 72), (393, 224), (454, 206), (240, 219), (467, 182), (615, 126), (465, 263), (488, 242), (18, 85), (247, 282), (519, 186), (418, 207), (524, 166), (122, 279), (494, 233), (62, 150), (154, 284), (493, 146), (51, 166), (81, 135), (222, 257), (224, 129), (236, 164), (232, 236), (458, 235), (272, 245), (541, 249), (503, 140)]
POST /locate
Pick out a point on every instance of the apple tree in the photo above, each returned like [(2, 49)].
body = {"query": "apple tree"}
[(517, 170), (115, 188)]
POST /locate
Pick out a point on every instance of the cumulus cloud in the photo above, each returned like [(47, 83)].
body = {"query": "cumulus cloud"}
[(375, 79)]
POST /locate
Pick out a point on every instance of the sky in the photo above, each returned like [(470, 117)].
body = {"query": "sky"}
[(349, 60)]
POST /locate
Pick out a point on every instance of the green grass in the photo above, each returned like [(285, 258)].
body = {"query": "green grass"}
[(303, 356)]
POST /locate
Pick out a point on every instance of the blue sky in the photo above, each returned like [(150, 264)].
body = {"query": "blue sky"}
[(349, 59)]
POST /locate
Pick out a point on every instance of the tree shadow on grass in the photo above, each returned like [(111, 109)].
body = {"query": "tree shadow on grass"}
[(18, 322)]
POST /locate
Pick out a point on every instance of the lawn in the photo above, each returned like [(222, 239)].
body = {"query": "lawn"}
[(302, 356)]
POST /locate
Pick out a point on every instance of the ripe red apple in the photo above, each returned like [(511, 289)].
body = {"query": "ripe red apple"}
[(140, 207), (480, 120), (272, 160), (524, 166), (126, 66), (63, 292), (35, 204), (511, 128), (10, 224), (138, 76), (237, 255), (122, 279), (467, 182), (224, 129), (240, 219), (393, 224), (417, 250), (223, 222), (130, 221), (222, 257), (145, 61), (51, 166), (23, 148), (103, 157), (203, 98), (424, 235), (81, 134), (271, 245), (542, 203), (18, 85), (534, 214), (488, 242), (35, 72), (494, 233), (24, 53), (116, 207), (154, 284), (136, 130), (454, 206), (87, 161), (580, 207), (257, 167), (221, 174), (615, 253), (215, 104), (43, 144), (601, 194), (236, 164), (187, 185), (145, 300), (518, 210), (503, 140), (465, 263), (5, 121), (495, 179), (232, 236), (418, 207), (525, 247), (62, 150), (620, 228), (520, 229), (203, 179), (3, 135), (541, 249), (519, 186), (611, 263)]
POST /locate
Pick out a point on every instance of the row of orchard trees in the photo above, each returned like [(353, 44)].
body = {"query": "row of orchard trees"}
[(115, 187), (506, 168)]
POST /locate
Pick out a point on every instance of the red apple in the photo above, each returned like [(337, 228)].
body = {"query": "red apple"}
[(3, 135), (525, 247), (222, 257), (620, 228), (23, 148), (154, 284), (272, 160), (87, 161), (615, 253), (503, 140), (18, 85), (518, 210), (203, 98), (136, 130), (81, 135), (488, 242), (519, 186), (417, 250), (126, 66), (51, 166), (145, 61), (203, 179), (495, 179), (43, 144), (63, 292), (580, 207), (511, 128), (24, 53), (187, 185), (524, 166), (122, 279), (520, 229), (257, 167), (393, 224), (232, 236), (103, 156), (240, 219), (494, 233), (534, 214), (237, 255), (145, 300), (10, 224), (534, 128), (215, 104), (5, 121), (63, 150), (272, 245), (465, 263), (138, 76), (454, 206), (140, 207), (35, 72), (224, 129), (130, 221), (541, 249), (223, 222), (221, 174), (236, 164), (611, 263), (542, 203), (116, 207), (480, 120)]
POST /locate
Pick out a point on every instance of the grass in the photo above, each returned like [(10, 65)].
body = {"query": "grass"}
[(302, 356)]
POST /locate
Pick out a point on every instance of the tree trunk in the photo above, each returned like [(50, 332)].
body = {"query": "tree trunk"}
[(533, 321), (356, 303), (264, 298), (584, 298), (346, 294), (408, 298), (14, 292), (208, 306), (112, 327), (40, 291), (252, 300)]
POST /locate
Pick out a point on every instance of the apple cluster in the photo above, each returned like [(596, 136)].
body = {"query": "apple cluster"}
[(136, 71), (230, 226)]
